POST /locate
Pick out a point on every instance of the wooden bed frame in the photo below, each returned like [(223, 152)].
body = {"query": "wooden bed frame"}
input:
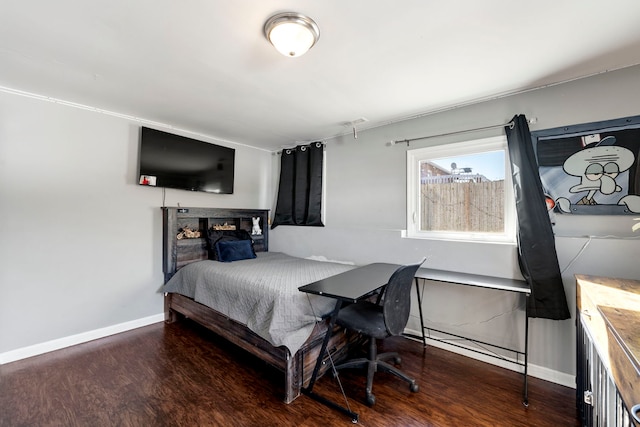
[(177, 253)]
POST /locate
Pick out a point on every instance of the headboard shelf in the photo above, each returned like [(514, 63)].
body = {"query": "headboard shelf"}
[(177, 253), (191, 242)]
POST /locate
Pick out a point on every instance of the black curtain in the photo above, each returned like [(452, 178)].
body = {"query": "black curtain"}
[(536, 244), (300, 188)]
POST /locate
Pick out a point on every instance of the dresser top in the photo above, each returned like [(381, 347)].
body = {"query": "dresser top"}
[(612, 310)]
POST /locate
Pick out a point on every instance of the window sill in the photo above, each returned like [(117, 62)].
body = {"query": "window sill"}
[(446, 237)]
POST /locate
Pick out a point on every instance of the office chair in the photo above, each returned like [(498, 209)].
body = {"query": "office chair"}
[(385, 318)]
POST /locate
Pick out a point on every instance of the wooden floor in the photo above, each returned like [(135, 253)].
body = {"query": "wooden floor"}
[(183, 375)]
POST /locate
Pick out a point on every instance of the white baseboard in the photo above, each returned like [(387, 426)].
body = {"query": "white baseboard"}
[(536, 371), (57, 344)]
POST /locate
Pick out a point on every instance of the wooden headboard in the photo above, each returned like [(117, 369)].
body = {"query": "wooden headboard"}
[(177, 253)]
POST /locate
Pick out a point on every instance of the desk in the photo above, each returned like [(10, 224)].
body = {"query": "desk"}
[(350, 286), (487, 282)]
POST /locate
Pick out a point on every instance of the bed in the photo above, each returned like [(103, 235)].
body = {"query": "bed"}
[(253, 303)]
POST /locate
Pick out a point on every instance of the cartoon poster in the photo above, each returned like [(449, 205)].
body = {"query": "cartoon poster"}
[(591, 171)]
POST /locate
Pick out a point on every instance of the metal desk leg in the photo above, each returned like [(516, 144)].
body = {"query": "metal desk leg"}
[(309, 390), (424, 338), (525, 399), (422, 333)]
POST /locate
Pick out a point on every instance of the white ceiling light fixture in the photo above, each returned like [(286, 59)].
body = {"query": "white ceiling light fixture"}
[(291, 33)]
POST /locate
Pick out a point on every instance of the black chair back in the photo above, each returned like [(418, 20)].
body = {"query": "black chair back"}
[(397, 298)]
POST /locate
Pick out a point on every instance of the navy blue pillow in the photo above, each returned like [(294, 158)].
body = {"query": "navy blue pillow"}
[(215, 236), (234, 250)]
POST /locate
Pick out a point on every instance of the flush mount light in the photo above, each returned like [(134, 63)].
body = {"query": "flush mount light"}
[(291, 33)]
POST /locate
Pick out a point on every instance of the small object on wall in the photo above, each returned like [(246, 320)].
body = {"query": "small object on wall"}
[(255, 229), (148, 180)]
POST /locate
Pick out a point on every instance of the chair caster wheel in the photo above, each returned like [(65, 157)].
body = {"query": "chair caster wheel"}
[(371, 399), (414, 387)]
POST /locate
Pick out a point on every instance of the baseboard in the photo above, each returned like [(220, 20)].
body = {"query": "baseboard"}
[(57, 344), (535, 371)]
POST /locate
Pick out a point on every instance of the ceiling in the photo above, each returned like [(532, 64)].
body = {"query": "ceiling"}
[(205, 65)]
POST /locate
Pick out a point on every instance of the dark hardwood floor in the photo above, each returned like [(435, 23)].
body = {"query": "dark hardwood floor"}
[(183, 375)]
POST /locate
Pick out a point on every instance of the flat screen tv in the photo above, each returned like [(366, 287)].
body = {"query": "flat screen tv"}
[(173, 161)]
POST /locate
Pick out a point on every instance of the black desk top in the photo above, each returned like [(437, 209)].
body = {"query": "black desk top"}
[(354, 284), (489, 282)]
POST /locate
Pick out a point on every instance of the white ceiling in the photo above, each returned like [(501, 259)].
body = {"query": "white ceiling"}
[(205, 65)]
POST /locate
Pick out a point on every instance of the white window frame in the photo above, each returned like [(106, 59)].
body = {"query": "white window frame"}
[(477, 146)]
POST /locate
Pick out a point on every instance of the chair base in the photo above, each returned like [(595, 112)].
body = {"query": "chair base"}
[(377, 362)]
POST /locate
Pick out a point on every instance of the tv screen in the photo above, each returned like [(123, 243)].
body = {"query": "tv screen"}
[(173, 161)]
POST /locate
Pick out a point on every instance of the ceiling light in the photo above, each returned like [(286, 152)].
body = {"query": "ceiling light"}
[(292, 34)]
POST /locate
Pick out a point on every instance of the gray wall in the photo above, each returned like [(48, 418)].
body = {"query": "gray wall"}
[(80, 245), (81, 242), (366, 213)]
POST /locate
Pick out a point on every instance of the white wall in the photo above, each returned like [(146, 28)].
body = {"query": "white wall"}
[(80, 242), (366, 205)]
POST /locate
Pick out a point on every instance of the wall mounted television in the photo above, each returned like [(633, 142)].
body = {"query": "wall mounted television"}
[(174, 161)]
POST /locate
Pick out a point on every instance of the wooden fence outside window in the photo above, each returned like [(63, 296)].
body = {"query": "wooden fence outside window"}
[(463, 207)]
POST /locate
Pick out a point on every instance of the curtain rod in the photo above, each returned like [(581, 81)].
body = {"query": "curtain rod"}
[(299, 145), (510, 124)]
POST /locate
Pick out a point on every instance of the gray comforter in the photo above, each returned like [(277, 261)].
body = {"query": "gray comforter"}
[(261, 293)]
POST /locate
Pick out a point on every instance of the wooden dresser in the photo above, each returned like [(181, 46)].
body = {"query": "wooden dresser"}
[(608, 351)]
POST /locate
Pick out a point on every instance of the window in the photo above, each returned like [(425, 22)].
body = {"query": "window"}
[(461, 191)]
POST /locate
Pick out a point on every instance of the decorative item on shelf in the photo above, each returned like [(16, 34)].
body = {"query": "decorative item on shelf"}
[(255, 229), (224, 226), (187, 233)]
